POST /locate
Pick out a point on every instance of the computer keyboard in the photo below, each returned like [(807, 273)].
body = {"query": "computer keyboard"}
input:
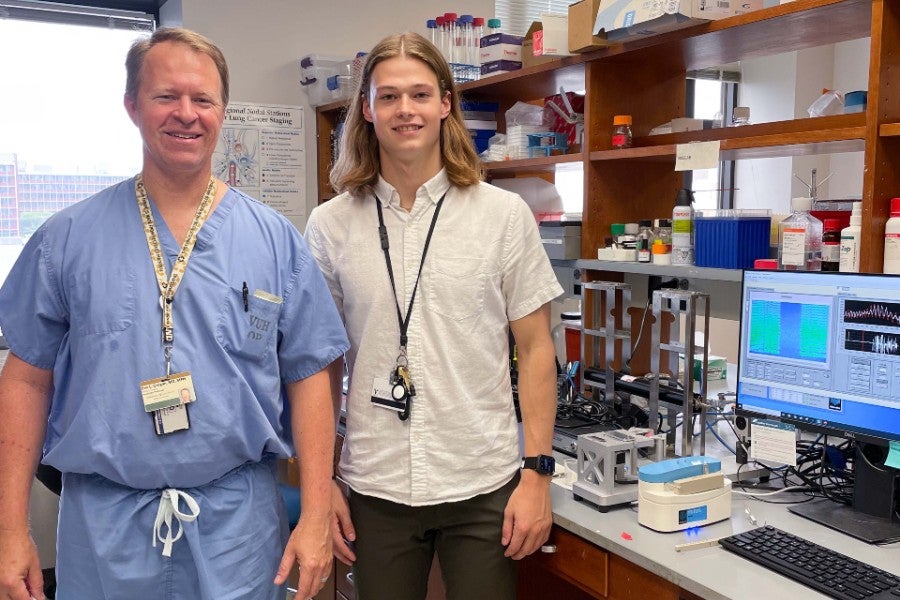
[(815, 566)]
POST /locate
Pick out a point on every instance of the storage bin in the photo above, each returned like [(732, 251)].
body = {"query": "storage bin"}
[(561, 239), (325, 78), (731, 239)]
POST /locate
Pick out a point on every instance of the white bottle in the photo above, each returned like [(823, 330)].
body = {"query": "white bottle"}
[(892, 239), (800, 239), (850, 239), (683, 228)]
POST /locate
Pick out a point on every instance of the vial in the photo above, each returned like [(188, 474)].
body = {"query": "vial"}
[(621, 136)]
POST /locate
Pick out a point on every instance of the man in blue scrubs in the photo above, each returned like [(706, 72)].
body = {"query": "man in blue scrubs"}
[(168, 281)]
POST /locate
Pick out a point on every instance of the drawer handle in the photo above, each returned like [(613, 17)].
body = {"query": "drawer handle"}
[(548, 548), (350, 577)]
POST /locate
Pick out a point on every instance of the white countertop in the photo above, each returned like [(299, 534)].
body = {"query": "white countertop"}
[(712, 573)]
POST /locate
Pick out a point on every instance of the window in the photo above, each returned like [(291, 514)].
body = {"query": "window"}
[(516, 16), (66, 134)]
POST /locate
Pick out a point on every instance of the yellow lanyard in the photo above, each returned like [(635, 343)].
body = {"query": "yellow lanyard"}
[(168, 286)]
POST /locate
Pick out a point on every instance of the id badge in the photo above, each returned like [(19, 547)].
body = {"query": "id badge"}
[(171, 419), (383, 396), (166, 392)]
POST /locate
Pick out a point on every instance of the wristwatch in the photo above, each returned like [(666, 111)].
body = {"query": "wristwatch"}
[(543, 464)]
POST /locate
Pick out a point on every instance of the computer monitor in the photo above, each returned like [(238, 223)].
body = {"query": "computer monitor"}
[(821, 350)]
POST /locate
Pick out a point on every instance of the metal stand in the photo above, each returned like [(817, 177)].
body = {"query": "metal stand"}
[(608, 466), (602, 298), (680, 304)]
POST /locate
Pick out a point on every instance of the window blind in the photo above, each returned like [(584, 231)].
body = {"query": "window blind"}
[(516, 16), (52, 12)]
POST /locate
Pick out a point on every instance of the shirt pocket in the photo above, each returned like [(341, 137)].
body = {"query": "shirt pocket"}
[(250, 333), (102, 301), (456, 287)]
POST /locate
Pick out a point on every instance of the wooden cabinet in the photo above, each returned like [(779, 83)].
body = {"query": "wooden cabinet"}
[(646, 78), (579, 570)]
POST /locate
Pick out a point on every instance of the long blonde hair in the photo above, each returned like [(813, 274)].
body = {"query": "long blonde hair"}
[(358, 165)]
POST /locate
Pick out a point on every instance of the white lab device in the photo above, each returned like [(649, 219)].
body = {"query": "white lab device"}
[(683, 492)]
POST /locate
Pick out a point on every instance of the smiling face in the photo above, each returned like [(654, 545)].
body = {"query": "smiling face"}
[(178, 109), (405, 105)]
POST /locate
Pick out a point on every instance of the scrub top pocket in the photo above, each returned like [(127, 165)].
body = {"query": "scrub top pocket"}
[(102, 301), (250, 333)]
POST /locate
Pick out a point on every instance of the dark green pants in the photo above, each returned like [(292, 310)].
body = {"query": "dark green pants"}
[(395, 546)]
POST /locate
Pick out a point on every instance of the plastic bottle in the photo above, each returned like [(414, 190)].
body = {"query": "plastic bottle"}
[(831, 244), (892, 239), (683, 228), (442, 36), (493, 26), (464, 40), (662, 230), (850, 239), (450, 24), (800, 239), (645, 241), (477, 34), (621, 135), (431, 33)]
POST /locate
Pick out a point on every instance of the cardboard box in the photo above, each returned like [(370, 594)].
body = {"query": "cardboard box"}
[(528, 56), (632, 19), (499, 66), (553, 37), (500, 46), (581, 27)]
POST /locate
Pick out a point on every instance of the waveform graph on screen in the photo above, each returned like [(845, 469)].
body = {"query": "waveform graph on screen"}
[(864, 312), (873, 342), (790, 330)]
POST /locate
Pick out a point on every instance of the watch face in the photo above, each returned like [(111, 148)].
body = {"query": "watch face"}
[(546, 464)]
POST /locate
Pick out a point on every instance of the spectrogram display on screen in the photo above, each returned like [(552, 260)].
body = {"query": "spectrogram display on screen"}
[(789, 330)]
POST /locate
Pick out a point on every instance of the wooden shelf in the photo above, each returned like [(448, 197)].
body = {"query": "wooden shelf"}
[(536, 81), (785, 28), (541, 163), (822, 135), (646, 78), (889, 130)]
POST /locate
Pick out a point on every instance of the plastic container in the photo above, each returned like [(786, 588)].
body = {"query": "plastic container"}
[(831, 244), (766, 264), (621, 135), (662, 253), (731, 239), (683, 228), (892, 239), (315, 72), (645, 241), (740, 116), (662, 230), (850, 241), (800, 239), (855, 102)]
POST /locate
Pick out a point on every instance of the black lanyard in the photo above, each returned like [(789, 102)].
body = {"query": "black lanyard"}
[(382, 233)]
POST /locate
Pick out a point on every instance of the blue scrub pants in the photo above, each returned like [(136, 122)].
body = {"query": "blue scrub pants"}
[(231, 551)]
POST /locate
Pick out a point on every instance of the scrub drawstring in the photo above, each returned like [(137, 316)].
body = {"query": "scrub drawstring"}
[(168, 507)]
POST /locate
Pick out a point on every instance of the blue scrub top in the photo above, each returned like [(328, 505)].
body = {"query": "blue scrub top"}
[(83, 301)]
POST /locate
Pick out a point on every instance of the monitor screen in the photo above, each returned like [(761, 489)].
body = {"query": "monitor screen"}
[(822, 350)]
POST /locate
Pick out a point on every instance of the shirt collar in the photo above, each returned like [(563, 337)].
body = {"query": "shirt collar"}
[(432, 190)]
